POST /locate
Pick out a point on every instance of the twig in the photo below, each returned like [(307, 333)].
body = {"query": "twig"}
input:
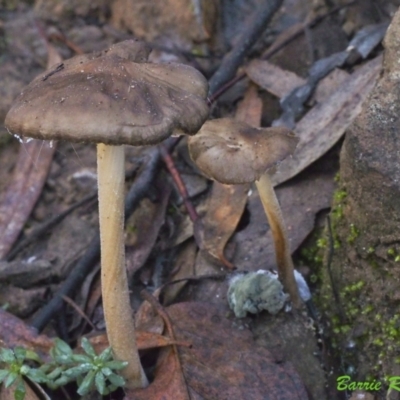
[(79, 311), (234, 59), (169, 163)]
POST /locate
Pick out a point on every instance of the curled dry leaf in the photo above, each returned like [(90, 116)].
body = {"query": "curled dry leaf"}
[(225, 208)]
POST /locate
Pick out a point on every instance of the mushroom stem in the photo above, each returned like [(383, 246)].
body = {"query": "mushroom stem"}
[(117, 310), (282, 250)]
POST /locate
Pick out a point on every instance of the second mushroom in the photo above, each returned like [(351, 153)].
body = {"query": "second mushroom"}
[(232, 152)]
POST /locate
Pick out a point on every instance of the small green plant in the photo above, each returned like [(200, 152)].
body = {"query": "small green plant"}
[(15, 367), (89, 370)]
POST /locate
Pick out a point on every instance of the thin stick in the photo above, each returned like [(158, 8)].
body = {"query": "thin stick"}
[(232, 60), (169, 163), (284, 260)]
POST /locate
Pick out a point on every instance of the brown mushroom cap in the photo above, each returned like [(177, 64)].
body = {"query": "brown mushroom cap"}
[(233, 152), (112, 97)]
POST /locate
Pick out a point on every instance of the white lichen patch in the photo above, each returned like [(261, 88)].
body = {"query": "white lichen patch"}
[(255, 292)]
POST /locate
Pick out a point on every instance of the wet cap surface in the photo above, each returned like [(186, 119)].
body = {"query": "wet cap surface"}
[(233, 152), (113, 97)]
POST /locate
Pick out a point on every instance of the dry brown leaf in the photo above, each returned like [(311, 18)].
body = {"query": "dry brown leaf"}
[(30, 173), (225, 208), (146, 221), (183, 267), (272, 78), (14, 332), (183, 19), (225, 363), (21, 195), (249, 110), (325, 124), (329, 84), (169, 382)]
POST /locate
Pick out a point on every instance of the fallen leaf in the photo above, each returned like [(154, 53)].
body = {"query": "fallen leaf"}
[(169, 382), (30, 173), (329, 84), (184, 19), (225, 208), (14, 332), (325, 124), (21, 195), (183, 267), (224, 362), (146, 222), (22, 302), (272, 78)]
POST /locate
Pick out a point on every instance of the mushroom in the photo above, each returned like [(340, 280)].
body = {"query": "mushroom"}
[(112, 98), (232, 152)]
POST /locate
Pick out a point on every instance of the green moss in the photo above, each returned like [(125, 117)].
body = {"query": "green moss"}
[(353, 235), (391, 252), (339, 195)]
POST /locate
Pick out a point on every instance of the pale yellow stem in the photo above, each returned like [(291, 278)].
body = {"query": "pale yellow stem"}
[(114, 284), (284, 260)]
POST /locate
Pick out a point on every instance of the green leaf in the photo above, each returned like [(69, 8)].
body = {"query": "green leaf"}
[(88, 348), (100, 383), (106, 354), (63, 380), (11, 378), (55, 373), (32, 355), (7, 356), (20, 354), (24, 369), (87, 383), (74, 372), (36, 375), (116, 380), (62, 348), (20, 391), (3, 374), (106, 371), (116, 364), (81, 358)]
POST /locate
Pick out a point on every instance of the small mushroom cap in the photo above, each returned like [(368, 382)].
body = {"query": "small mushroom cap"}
[(113, 97), (233, 152)]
